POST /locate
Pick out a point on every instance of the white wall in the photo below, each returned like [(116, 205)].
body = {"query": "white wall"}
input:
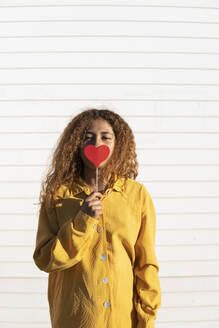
[(154, 62)]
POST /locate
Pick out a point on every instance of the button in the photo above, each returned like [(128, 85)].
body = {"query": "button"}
[(94, 226), (100, 229), (106, 304), (109, 191), (103, 257), (105, 280)]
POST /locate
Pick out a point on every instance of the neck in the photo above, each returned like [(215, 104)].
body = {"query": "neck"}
[(89, 176)]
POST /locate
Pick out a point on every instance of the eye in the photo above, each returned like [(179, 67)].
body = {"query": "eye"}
[(88, 137)]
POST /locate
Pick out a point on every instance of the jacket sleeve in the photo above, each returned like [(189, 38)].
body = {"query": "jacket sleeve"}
[(60, 248), (147, 285)]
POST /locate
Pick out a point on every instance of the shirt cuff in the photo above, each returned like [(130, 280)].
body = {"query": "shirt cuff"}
[(149, 323)]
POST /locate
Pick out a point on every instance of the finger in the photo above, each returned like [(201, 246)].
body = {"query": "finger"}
[(96, 207), (95, 194), (94, 202)]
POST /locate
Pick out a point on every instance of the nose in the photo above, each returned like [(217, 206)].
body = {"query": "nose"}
[(98, 142)]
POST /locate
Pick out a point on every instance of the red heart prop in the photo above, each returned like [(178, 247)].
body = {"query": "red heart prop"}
[(96, 155)]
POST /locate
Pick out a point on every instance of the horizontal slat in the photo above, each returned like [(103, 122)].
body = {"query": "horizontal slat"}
[(170, 314), (182, 253), (16, 254), (154, 76), (176, 221), (185, 268), (37, 315), (165, 315), (109, 92), (26, 324), (111, 60), (187, 314), (150, 139), (171, 124), (175, 156), (176, 253), (211, 4), (149, 156), (188, 284), (168, 284), (68, 110), (95, 101), (162, 205), (148, 171), (169, 172), (167, 269), (11, 300), (164, 238), (180, 189), (116, 12), (39, 300), (184, 324), (198, 324), (22, 285), (165, 188), (21, 269), (158, 325), (187, 221), (187, 237), (137, 29), (109, 44), (167, 205)]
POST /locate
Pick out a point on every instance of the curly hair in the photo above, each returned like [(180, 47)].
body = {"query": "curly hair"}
[(66, 165)]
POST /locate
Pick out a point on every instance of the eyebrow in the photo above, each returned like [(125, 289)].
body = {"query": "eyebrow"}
[(103, 132)]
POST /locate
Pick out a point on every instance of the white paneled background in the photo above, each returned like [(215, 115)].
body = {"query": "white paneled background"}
[(156, 63)]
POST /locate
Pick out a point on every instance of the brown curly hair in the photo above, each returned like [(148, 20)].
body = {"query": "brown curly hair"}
[(66, 165)]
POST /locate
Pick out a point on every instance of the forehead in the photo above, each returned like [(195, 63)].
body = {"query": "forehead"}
[(99, 125)]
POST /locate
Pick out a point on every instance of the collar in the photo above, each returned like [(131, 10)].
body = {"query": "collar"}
[(80, 185)]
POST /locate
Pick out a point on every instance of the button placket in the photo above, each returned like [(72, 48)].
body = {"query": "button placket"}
[(103, 257)]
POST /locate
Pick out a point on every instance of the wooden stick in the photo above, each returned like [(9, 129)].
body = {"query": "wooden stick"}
[(96, 178)]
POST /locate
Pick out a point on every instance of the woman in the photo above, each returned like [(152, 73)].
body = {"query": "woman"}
[(98, 246)]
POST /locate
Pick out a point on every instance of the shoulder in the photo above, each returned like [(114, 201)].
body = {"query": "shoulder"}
[(137, 185), (135, 188)]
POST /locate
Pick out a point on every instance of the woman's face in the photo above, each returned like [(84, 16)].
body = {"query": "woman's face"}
[(98, 133)]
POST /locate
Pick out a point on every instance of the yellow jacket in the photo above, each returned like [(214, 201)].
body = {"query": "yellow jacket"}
[(102, 272)]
